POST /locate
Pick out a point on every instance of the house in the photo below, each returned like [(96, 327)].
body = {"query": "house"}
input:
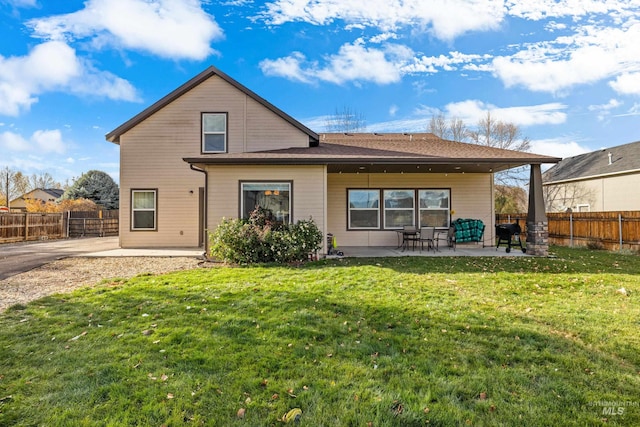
[(213, 148), (596, 181), (44, 195)]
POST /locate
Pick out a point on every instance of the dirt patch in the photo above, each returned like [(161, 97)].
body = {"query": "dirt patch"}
[(71, 273)]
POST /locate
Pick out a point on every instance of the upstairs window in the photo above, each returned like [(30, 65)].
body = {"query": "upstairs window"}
[(214, 132)]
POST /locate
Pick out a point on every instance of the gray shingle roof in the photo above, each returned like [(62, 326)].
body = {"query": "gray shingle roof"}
[(386, 149), (624, 158)]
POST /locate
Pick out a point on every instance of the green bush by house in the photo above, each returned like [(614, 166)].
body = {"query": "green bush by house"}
[(260, 239)]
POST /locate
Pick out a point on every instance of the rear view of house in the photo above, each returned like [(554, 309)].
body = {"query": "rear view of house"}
[(213, 149)]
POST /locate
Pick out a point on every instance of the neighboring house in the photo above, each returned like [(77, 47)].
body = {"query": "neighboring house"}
[(43, 195), (598, 181), (213, 149)]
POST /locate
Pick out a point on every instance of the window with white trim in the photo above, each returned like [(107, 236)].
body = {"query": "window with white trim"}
[(273, 197), (434, 206), (364, 209), (214, 132), (144, 205), (399, 208)]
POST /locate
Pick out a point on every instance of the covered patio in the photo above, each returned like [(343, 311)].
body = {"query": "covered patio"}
[(469, 250)]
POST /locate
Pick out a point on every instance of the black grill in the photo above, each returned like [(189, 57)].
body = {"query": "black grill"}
[(509, 235)]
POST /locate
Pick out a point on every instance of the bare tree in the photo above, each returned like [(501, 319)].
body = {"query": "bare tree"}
[(13, 183), (43, 180), (347, 120), (454, 129), (438, 126), (561, 197), (493, 133)]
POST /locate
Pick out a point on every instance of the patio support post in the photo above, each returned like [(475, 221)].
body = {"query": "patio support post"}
[(537, 223)]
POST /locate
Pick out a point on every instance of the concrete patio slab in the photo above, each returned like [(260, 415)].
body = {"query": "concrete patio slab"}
[(461, 250)]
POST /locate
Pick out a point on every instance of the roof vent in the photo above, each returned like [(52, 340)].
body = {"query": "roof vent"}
[(610, 155)]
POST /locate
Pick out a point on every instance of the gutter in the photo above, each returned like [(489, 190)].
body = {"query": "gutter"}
[(206, 211)]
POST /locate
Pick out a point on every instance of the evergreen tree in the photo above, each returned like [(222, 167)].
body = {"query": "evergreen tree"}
[(97, 186)]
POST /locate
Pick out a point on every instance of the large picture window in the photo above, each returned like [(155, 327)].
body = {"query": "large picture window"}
[(399, 208), (144, 209), (364, 209), (434, 208), (214, 132), (273, 197)]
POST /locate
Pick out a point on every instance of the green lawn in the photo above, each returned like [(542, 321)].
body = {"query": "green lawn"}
[(382, 342)]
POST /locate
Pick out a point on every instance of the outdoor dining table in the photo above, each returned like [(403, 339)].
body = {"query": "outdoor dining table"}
[(407, 235)]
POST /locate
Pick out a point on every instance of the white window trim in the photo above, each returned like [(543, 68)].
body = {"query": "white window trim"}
[(384, 211), (154, 210), (448, 209), (350, 209), (226, 125)]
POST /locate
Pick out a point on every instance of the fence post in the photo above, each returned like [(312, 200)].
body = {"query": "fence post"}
[(620, 229), (26, 226), (570, 230), (68, 222)]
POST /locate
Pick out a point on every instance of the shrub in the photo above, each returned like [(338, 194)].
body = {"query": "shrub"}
[(259, 239)]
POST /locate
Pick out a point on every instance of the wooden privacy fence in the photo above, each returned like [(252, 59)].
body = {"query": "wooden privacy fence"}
[(17, 227), (614, 230)]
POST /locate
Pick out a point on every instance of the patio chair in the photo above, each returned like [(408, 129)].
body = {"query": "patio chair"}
[(427, 234), (409, 235), (449, 237)]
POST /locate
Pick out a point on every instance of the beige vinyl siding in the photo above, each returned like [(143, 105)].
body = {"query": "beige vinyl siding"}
[(308, 185), (471, 197), (615, 193), (151, 157)]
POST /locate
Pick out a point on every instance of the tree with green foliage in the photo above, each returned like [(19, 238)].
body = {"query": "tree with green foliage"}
[(97, 186)]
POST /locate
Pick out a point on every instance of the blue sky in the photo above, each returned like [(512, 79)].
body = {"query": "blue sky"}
[(566, 71)]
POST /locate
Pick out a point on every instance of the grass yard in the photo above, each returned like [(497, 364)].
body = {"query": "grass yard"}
[(355, 342)]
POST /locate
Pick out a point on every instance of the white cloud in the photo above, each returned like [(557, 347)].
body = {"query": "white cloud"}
[(627, 84), (471, 111), (11, 141), (433, 64), (54, 66), (22, 3), (41, 141), (446, 19), (353, 62), (604, 110), (588, 56), (558, 147), (393, 110), (544, 9), (176, 29), (48, 141)]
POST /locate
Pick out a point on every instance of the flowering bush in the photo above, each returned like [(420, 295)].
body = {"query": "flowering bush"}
[(260, 239)]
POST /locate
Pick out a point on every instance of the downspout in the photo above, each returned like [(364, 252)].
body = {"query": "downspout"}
[(206, 211)]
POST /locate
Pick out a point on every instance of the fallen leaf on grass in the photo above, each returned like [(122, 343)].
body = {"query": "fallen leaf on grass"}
[(78, 336), (164, 377), (241, 412), (169, 395), (483, 396)]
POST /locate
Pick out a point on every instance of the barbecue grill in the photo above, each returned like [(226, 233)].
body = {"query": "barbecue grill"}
[(509, 234)]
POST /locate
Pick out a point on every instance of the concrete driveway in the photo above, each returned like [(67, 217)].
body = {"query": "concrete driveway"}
[(20, 257)]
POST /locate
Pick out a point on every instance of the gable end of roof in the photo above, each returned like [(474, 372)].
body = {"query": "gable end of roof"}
[(114, 135)]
